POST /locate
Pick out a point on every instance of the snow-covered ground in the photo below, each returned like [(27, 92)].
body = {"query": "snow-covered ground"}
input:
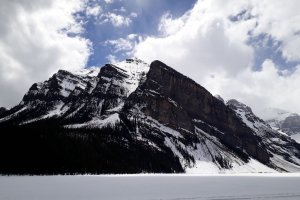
[(253, 166), (151, 187)]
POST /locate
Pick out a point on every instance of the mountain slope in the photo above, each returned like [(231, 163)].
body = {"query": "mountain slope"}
[(283, 151), (132, 118)]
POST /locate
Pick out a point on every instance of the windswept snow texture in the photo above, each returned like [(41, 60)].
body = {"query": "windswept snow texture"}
[(150, 187)]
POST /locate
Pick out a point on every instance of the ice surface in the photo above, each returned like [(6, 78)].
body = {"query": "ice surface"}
[(151, 187)]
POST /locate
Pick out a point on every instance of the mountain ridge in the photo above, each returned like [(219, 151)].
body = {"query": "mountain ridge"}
[(146, 110)]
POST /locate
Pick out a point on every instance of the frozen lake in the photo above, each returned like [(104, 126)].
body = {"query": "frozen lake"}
[(151, 187)]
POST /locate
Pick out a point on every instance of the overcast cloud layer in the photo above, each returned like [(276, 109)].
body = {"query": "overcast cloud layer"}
[(212, 44), (35, 42)]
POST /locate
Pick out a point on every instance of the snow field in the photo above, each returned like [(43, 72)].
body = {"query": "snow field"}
[(151, 187)]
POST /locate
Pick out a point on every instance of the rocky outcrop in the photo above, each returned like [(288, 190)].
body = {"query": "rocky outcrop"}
[(220, 98), (291, 124), (2, 110)]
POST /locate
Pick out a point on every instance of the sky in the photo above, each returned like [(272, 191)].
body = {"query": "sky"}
[(247, 50)]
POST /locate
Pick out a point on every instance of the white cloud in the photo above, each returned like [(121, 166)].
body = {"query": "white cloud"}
[(119, 20), (122, 47), (120, 44), (210, 44), (109, 1), (116, 20), (280, 19), (260, 89), (169, 26), (34, 43), (133, 14), (112, 59), (123, 44), (93, 10), (204, 42), (122, 9)]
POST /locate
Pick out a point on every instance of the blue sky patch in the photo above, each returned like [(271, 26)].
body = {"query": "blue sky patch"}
[(143, 18)]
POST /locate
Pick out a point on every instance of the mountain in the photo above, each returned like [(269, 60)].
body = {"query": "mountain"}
[(283, 121), (2, 110), (132, 117)]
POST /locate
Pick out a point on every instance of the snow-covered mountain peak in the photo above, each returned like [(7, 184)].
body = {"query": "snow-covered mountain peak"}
[(115, 83), (133, 66), (245, 113), (239, 105), (67, 81), (135, 70), (53, 94), (91, 71)]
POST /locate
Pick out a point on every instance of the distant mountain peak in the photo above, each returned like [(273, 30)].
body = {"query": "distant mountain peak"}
[(239, 105), (283, 121)]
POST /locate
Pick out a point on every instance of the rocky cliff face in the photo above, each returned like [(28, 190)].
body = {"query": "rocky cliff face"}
[(291, 124), (130, 117), (2, 110), (183, 105)]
